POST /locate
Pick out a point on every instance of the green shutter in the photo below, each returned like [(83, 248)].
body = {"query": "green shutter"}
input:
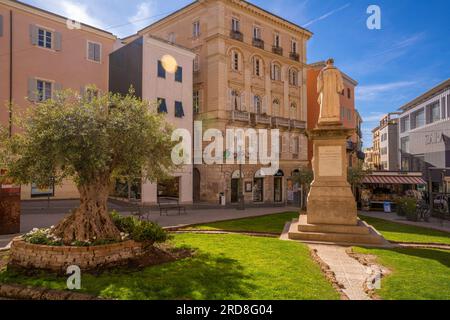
[(58, 41)]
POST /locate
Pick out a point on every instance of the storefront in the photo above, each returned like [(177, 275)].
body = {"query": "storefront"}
[(278, 187), (381, 187)]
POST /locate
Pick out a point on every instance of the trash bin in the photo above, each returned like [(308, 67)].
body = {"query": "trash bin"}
[(9, 209), (387, 207)]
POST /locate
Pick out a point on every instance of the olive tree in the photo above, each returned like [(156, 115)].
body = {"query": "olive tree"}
[(91, 140)]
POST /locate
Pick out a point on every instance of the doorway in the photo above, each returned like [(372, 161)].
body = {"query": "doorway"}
[(278, 189), (234, 190), (196, 185)]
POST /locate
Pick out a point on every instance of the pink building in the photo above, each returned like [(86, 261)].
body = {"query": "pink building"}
[(41, 52)]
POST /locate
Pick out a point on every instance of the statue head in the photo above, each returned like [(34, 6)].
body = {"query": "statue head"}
[(330, 62)]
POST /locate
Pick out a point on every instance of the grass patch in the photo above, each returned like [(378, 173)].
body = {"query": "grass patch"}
[(405, 233), (417, 274), (271, 223), (225, 267)]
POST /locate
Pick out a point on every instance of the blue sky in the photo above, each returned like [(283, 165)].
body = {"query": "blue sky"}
[(409, 55)]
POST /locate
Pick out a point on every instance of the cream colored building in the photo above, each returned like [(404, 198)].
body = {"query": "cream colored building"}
[(249, 72)]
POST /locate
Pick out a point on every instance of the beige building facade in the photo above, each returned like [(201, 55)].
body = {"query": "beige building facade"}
[(249, 72)]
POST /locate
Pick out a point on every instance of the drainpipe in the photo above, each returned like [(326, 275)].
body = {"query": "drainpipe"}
[(10, 71)]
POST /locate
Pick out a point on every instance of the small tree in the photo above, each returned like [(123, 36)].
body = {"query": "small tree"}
[(356, 176), (304, 178), (92, 140)]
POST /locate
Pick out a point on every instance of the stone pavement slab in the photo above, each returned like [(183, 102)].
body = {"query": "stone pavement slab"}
[(349, 273)]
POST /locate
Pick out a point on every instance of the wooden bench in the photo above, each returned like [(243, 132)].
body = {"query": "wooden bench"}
[(167, 204)]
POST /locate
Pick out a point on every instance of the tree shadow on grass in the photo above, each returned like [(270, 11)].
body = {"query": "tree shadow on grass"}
[(203, 276)]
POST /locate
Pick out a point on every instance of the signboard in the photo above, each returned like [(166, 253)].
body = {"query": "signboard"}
[(330, 161), (37, 192)]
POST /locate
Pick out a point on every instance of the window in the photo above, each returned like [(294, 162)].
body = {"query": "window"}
[(349, 93), (293, 77), (276, 40), (276, 106), (161, 70), (443, 108), (162, 107), (258, 104), (171, 37), (257, 67), (45, 38), (179, 112), (404, 124), (434, 112), (235, 60), (384, 151), (235, 25), (256, 33), (418, 119), (196, 29), (404, 145), (1, 25), (179, 74), (196, 102), (276, 72), (235, 100), (295, 145), (44, 90), (197, 63), (294, 46), (94, 51)]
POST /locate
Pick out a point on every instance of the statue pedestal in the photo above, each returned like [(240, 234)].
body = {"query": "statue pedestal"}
[(332, 213)]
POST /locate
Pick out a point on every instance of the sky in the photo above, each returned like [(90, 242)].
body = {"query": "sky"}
[(406, 57)]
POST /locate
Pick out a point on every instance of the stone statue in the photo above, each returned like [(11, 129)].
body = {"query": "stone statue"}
[(329, 86)]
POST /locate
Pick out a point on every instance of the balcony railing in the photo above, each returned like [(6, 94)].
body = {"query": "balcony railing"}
[(296, 124), (263, 119), (294, 56), (258, 43), (236, 35), (237, 115), (277, 50), (281, 122)]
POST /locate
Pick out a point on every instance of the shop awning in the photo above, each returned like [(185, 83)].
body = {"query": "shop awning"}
[(393, 180)]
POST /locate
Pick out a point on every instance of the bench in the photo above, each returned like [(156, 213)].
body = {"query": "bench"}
[(167, 204)]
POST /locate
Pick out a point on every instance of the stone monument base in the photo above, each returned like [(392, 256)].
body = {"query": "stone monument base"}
[(359, 234)]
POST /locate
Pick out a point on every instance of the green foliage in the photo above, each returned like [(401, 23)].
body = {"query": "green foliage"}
[(304, 177), (84, 138), (356, 175), (410, 209), (138, 230)]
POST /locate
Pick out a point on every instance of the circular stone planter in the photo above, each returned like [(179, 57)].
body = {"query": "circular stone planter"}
[(33, 256)]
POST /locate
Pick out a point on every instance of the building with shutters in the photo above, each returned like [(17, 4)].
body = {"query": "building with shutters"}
[(249, 72), (145, 64), (40, 53)]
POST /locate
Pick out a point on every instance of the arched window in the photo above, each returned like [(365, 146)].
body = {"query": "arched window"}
[(276, 72), (293, 77), (258, 104)]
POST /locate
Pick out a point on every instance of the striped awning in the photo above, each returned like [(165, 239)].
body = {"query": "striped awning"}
[(393, 180)]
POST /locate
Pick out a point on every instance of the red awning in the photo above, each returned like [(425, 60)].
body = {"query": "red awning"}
[(393, 180)]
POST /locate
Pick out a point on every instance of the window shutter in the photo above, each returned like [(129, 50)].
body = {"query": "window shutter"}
[(91, 51), (32, 88), (97, 52), (285, 143), (1, 26), (264, 106), (58, 41), (33, 35)]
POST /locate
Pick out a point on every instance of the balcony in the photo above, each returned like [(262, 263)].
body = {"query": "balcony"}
[(294, 56), (351, 146), (281, 122), (277, 50), (296, 124), (237, 115), (236, 35), (258, 43), (263, 119)]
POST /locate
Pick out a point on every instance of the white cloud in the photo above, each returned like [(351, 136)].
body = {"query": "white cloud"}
[(326, 15), (144, 15), (377, 91)]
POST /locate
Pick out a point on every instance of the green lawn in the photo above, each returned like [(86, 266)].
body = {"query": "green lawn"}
[(405, 233), (271, 223), (225, 267), (417, 274)]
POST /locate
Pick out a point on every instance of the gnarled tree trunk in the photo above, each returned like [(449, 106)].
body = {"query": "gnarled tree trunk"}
[(91, 221)]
